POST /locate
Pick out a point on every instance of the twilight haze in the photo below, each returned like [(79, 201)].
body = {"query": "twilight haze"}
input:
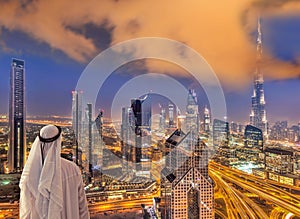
[(57, 39)]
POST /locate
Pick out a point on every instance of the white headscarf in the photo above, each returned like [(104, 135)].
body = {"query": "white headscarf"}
[(41, 183)]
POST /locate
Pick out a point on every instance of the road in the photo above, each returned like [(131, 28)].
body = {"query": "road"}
[(264, 190)]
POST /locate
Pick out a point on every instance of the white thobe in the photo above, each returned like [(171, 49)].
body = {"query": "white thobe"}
[(74, 199)]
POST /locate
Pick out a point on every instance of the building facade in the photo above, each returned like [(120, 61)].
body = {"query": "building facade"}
[(220, 133), (142, 112), (186, 188), (17, 117), (77, 116), (128, 140)]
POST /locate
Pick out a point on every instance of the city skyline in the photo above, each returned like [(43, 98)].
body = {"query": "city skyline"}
[(50, 63)]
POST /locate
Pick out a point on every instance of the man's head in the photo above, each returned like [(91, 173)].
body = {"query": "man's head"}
[(49, 135)]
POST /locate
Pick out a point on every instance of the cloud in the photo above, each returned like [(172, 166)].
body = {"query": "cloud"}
[(220, 31)]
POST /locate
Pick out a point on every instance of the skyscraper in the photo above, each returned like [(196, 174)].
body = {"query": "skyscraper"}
[(186, 188), (127, 140), (206, 120), (162, 119), (258, 112), (192, 115), (77, 119), (17, 117), (171, 115), (220, 133), (90, 133), (98, 139), (142, 111)]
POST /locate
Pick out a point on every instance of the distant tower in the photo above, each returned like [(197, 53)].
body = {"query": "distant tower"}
[(90, 133), (77, 116), (162, 119), (127, 140), (98, 139), (206, 120), (192, 115), (142, 111), (220, 133), (171, 115), (258, 112), (17, 117)]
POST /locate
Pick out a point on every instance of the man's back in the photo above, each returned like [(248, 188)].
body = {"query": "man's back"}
[(75, 204)]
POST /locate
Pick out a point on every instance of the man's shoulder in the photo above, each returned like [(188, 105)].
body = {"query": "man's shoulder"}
[(69, 167)]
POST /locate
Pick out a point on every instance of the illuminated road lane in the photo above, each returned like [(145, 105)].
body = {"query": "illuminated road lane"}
[(237, 208), (263, 190)]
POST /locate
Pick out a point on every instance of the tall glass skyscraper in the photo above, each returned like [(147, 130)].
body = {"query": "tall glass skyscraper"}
[(192, 114), (17, 117), (258, 116), (142, 111), (77, 115)]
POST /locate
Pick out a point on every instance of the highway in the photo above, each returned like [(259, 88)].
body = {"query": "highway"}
[(237, 204), (119, 205), (283, 199)]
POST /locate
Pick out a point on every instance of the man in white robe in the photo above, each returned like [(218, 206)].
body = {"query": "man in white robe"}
[(51, 186)]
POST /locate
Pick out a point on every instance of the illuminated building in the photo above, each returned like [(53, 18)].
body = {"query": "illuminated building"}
[(258, 113), (97, 137), (162, 119), (206, 120), (282, 164), (142, 112), (186, 188), (127, 140), (253, 139), (90, 134), (220, 133), (192, 115), (77, 119), (233, 127), (181, 119), (279, 131), (17, 117), (171, 115)]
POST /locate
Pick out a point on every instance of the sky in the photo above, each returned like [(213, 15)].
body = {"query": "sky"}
[(59, 38)]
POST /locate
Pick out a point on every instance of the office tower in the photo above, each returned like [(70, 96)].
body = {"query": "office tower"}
[(258, 112), (77, 119), (128, 140), (192, 115), (17, 117), (162, 119), (171, 115), (98, 139), (206, 120), (254, 148), (142, 112), (186, 188), (253, 138), (90, 133), (220, 133)]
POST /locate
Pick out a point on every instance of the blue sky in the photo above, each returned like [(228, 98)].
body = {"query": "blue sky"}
[(57, 50)]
